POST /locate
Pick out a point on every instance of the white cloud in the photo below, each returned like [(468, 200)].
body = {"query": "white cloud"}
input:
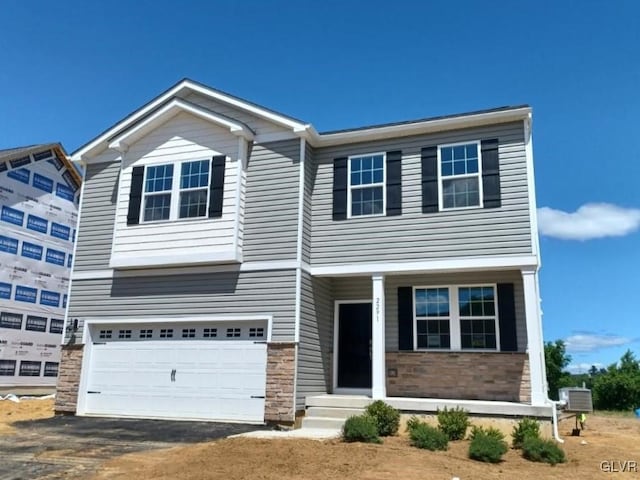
[(591, 220), (576, 368), (589, 342)]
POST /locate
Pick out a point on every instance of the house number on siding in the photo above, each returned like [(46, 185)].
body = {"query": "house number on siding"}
[(377, 310)]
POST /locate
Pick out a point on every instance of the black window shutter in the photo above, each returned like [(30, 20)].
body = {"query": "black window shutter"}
[(394, 183), (340, 188), (429, 179), (135, 196), (405, 318), (216, 190), (507, 318), (490, 174)]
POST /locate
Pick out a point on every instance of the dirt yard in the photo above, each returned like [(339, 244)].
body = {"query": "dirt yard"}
[(26, 410), (611, 439), (607, 438)]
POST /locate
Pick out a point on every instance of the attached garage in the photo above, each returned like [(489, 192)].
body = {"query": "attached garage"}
[(203, 370)]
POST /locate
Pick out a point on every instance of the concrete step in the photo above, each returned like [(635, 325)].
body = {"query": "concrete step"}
[(323, 422), (333, 412), (338, 401)]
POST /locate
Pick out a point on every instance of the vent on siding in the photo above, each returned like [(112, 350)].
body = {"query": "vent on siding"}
[(124, 334)]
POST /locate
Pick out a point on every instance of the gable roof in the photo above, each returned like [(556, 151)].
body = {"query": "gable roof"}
[(9, 154), (165, 105), (101, 141)]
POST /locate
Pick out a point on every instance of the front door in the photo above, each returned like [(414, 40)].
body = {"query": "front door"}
[(354, 345)]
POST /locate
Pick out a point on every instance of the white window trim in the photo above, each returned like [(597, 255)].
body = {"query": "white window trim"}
[(467, 175), (358, 187), (174, 210), (454, 318)]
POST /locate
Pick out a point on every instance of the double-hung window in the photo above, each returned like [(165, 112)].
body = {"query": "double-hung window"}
[(459, 168), (367, 185), (171, 197), (157, 193), (455, 318)]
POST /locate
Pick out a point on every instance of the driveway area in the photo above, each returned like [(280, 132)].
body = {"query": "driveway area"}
[(73, 447)]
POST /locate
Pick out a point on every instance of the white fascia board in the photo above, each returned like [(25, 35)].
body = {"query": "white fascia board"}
[(100, 142), (428, 266), (428, 126), (174, 107)]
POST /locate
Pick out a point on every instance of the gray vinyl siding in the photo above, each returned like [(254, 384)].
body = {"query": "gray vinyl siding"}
[(271, 202), (149, 297), (316, 339), (418, 236), (97, 216), (309, 181), (360, 288)]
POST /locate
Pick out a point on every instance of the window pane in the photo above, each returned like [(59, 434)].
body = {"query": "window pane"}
[(193, 204), (355, 165), (447, 169), (446, 154), (367, 163), (194, 174), (377, 162), (433, 334), (378, 176), (459, 152), (472, 166), (355, 178), (459, 167), (367, 201), (157, 207), (472, 150), (159, 178), (462, 192), (367, 177)]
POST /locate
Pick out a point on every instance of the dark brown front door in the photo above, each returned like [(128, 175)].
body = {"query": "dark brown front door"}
[(354, 345)]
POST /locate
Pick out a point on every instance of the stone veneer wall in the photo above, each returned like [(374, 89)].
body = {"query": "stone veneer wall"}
[(68, 378), (459, 375), (279, 399)]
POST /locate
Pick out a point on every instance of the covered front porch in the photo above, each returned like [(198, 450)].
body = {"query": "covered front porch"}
[(417, 341)]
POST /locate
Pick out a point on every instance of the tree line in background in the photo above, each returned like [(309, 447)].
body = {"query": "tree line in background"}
[(616, 387)]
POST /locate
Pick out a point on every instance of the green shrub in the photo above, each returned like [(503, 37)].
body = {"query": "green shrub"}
[(489, 432), (487, 445), (453, 423), (413, 422), (540, 450), (527, 427), (387, 418), (427, 437), (360, 428)]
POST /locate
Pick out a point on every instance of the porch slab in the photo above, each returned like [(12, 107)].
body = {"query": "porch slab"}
[(432, 405)]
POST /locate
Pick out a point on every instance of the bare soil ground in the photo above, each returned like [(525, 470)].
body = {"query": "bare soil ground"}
[(25, 410), (608, 438), (611, 439)]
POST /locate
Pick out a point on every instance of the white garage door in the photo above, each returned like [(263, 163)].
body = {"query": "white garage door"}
[(200, 371)]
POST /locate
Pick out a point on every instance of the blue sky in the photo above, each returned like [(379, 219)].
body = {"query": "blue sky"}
[(70, 69)]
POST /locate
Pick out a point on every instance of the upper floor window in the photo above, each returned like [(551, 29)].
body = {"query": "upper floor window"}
[(460, 174), (367, 185), (169, 198)]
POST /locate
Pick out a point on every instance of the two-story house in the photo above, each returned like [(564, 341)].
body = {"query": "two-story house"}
[(233, 263)]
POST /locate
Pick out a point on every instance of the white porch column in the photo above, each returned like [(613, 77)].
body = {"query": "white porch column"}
[(535, 346), (378, 368)]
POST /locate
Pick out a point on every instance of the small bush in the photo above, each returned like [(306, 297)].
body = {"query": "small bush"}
[(427, 437), (413, 422), (387, 418), (453, 423), (489, 432), (540, 450), (527, 427), (487, 445), (360, 428)]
